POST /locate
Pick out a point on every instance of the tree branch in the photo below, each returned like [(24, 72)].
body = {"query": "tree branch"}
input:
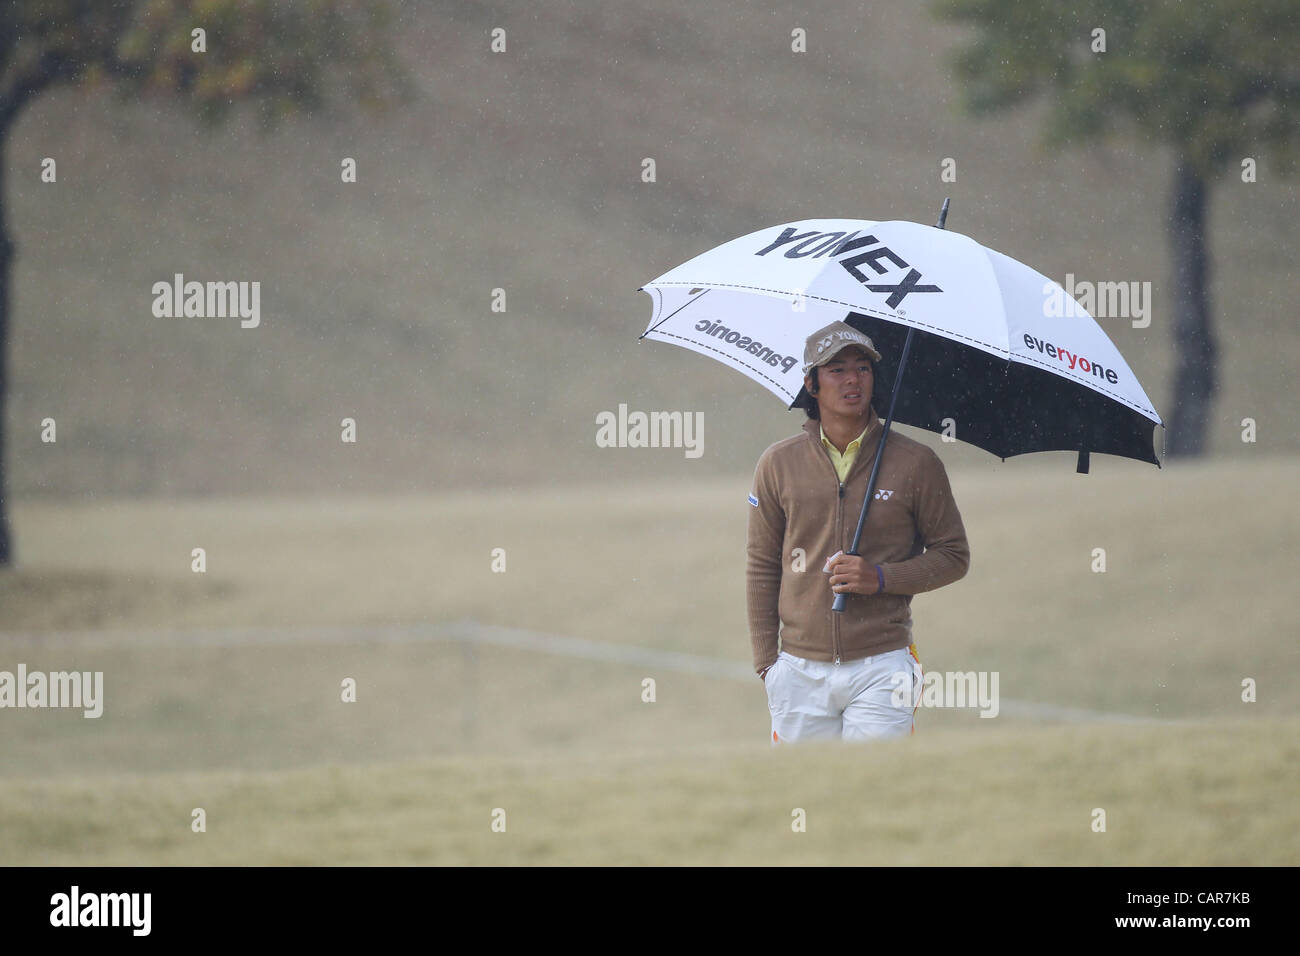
[(50, 69)]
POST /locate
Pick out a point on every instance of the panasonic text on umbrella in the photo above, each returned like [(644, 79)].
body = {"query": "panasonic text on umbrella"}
[(651, 430), (754, 347), (835, 244)]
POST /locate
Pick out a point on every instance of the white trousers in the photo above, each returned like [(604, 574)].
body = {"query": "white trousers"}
[(852, 700)]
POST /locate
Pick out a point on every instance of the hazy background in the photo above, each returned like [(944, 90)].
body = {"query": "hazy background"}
[(476, 430)]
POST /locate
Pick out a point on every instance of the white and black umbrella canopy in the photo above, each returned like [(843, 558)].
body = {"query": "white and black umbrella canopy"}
[(1001, 353)]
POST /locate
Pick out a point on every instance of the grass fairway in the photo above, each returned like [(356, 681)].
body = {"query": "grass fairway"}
[(1195, 793), (222, 690)]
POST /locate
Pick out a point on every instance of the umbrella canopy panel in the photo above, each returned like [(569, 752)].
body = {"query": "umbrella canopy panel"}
[(1007, 408)]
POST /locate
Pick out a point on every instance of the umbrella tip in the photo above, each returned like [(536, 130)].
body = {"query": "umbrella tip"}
[(943, 213)]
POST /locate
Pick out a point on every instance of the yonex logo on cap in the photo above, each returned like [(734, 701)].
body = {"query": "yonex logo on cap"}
[(823, 345), (826, 343)]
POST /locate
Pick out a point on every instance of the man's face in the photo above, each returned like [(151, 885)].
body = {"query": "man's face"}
[(845, 383)]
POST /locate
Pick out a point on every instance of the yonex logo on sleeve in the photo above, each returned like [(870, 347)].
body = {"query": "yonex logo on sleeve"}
[(753, 501)]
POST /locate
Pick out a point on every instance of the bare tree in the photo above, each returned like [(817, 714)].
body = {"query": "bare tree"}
[(1217, 80), (282, 55)]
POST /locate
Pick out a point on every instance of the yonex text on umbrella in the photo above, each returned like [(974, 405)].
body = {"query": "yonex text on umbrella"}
[(834, 244)]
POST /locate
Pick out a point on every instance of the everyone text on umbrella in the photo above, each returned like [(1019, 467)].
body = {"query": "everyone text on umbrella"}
[(1055, 351)]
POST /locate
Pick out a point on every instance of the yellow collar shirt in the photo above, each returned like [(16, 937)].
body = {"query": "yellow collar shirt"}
[(843, 462)]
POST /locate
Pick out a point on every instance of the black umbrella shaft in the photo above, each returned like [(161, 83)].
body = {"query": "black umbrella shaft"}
[(880, 448), (841, 599)]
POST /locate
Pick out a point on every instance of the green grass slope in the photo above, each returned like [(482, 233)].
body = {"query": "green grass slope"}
[(521, 172)]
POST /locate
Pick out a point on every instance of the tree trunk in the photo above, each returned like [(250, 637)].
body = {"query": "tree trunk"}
[(6, 270), (1196, 351)]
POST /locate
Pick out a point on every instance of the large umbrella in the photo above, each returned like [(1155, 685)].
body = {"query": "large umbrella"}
[(998, 355)]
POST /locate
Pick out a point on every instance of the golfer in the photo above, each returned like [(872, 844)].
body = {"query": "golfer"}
[(829, 674)]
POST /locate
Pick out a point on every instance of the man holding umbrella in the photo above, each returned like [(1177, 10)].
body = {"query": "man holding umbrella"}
[(834, 674), (974, 343)]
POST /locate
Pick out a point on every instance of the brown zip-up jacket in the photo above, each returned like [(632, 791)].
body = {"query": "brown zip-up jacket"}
[(800, 514)]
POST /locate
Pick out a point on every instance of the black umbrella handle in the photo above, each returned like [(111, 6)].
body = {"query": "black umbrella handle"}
[(842, 598)]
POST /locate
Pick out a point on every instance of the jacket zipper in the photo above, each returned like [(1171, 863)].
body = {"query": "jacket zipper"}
[(839, 531), (839, 536)]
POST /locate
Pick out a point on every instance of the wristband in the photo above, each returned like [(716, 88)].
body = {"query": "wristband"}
[(880, 576)]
